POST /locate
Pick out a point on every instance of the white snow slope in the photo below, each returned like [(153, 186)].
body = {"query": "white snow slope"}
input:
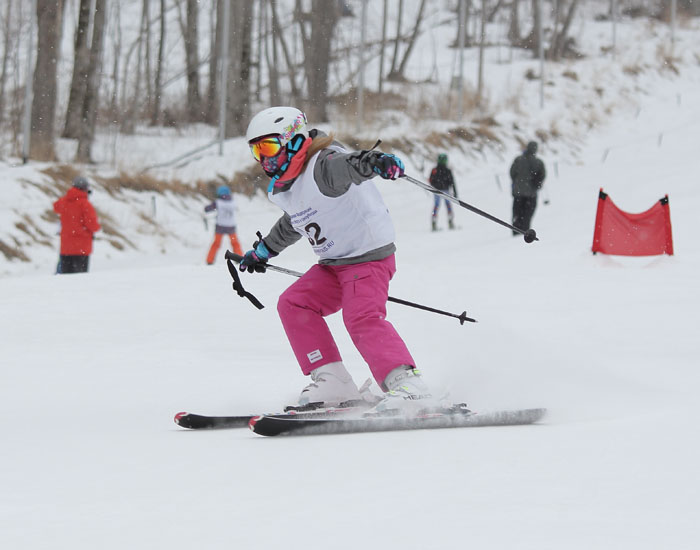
[(93, 368)]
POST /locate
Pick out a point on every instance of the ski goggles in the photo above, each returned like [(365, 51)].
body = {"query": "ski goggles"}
[(266, 147)]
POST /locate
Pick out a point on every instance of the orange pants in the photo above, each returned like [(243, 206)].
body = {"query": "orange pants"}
[(217, 243)]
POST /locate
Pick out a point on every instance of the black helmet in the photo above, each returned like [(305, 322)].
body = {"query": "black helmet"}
[(531, 148), (81, 183)]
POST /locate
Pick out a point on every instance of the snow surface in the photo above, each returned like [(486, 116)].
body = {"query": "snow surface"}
[(93, 368)]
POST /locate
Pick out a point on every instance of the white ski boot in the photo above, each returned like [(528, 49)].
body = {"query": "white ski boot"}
[(407, 393), (331, 386)]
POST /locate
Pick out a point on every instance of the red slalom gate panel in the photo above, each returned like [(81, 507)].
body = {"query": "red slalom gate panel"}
[(623, 234)]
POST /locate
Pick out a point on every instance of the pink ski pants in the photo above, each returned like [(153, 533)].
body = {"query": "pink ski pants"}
[(361, 291)]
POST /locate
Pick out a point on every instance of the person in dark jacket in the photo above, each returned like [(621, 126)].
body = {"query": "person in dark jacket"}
[(441, 178), (527, 174), (78, 226)]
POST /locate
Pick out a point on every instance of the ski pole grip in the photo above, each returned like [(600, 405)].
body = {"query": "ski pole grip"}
[(232, 256)]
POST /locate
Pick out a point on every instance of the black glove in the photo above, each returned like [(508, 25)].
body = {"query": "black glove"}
[(255, 259), (387, 166)]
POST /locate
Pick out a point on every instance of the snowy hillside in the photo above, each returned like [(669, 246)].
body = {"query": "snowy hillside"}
[(580, 98), (93, 367)]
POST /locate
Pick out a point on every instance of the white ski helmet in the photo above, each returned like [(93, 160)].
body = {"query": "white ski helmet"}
[(285, 122)]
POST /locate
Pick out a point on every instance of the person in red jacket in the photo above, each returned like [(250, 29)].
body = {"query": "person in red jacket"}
[(78, 225)]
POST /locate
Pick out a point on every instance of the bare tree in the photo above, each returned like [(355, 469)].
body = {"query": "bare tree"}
[(146, 43), (496, 8), (397, 40), (158, 83), (81, 59), (383, 47), (482, 43), (117, 52), (465, 17), (271, 55), (7, 35), (560, 36), (49, 22), (91, 97), (190, 33), (532, 40), (278, 35), (411, 42), (514, 25), (237, 105), (130, 105), (217, 17), (317, 53)]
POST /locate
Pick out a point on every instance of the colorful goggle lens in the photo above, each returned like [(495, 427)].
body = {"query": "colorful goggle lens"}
[(268, 147)]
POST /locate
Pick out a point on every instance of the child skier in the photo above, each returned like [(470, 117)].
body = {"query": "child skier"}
[(441, 178), (327, 197), (225, 222)]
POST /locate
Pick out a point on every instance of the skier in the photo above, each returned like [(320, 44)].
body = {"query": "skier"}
[(527, 174), (327, 197), (441, 178), (78, 225), (225, 222)]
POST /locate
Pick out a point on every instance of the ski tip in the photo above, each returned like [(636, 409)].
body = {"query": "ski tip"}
[(253, 421), (179, 416)]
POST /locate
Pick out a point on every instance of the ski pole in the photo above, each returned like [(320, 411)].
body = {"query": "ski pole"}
[(529, 235), (462, 317)]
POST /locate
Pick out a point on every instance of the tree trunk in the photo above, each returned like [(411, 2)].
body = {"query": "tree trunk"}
[(92, 88), (482, 44), (412, 42), (49, 23), (5, 57), (117, 53), (318, 54), (272, 58), (158, 84), (494, 11), (532, 40), (191, 36), (81, 60), (237, 106), (559, 40), (214, 62), (397, 41), (556, 15), (514, 25), (385, 13), (465, 16), (129, 105), (278, 34), (146, 33)]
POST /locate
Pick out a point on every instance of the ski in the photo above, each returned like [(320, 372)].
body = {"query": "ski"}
[(202, 422), (193, 421), (455, 417)]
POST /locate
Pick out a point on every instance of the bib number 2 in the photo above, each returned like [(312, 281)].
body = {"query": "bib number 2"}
[(313, 231)]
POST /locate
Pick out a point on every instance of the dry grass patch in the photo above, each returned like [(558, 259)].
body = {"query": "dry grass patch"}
[(13, 252), (486, 134), (34, 232), (147, 183), (667, 62), (632, 70), (109, 228), (248, 181)]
